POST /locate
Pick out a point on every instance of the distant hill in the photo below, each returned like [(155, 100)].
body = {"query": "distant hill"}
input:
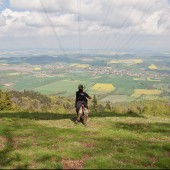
[(35, 60), (39, 59)]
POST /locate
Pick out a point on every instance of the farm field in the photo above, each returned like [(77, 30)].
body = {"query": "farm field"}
[(31, 82), (66, 85), (80, 65), (51, 140), (146, 92), (108, 81), (153, 67), (124, 85), (130, 61), (63, 87), (103, 87)]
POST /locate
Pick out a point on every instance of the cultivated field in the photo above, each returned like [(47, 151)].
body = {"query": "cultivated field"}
[(103, 87), (114, 77), (146, 92), (129, 61), (63, 87), (153, 67), (80, 65)]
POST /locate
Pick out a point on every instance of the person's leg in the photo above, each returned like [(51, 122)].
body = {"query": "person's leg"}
[(79, 114), (79, 111), (85, 116)]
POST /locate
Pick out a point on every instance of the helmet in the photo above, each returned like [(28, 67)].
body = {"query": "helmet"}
[(80, 87)]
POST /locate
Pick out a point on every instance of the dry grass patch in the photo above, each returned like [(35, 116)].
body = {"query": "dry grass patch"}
[(74, 164), (2, 142), (88, 145)]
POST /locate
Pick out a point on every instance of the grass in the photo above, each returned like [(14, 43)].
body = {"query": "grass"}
[(48, 140)]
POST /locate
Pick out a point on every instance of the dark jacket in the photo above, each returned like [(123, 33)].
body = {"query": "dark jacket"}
[(82, 96)]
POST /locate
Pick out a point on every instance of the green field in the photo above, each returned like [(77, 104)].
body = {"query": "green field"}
[(66, 85), (124, 85), (31, 82), (63, 87), (64, 82), (49, 140)]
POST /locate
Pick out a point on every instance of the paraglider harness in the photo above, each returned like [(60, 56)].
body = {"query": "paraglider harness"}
[(82, 105), (82, 112), (81, 97)]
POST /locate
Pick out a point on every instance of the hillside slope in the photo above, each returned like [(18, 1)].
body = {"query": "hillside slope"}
[(49, 140)]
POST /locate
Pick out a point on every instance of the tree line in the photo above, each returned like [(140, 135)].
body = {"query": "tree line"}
[(33, 101)]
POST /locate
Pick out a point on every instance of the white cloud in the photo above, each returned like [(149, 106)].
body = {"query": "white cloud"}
[(97, 17), (126, 16)]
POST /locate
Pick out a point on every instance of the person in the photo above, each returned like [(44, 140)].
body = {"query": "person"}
[(81, 104)]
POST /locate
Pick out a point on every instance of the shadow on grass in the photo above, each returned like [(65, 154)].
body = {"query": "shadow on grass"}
[(56, 116), (6, 157), (4, 154)]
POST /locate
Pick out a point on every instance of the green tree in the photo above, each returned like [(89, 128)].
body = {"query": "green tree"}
[(5, 103), (108, 107), (94, 104)]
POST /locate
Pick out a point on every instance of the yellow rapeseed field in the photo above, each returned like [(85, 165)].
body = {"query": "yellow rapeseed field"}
[(153, 67), (146, 91), (80, 65), (103, 87), (149, 79), (37, 69), (133, 61), (136, 79), (14, 74)]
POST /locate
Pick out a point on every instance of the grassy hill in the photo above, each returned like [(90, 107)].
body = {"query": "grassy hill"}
[(51, 140)]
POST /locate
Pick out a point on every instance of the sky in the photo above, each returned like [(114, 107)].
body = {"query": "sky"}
[(116, 25)]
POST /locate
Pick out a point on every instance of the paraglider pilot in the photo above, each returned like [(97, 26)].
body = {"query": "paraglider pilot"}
[(81, 104)]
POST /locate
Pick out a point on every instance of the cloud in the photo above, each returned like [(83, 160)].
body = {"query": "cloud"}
[(26, 18), (95, 16)]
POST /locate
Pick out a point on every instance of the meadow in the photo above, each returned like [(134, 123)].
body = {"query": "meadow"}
[(110, 140)]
